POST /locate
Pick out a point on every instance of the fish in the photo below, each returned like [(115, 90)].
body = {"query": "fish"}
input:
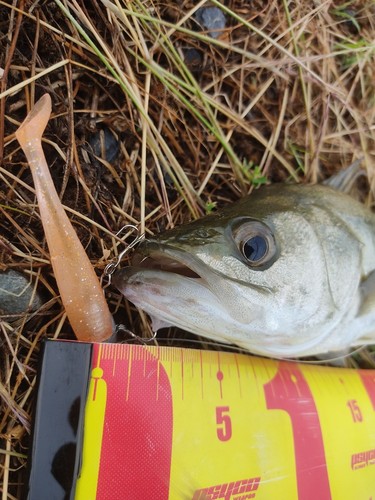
[(286, 272)]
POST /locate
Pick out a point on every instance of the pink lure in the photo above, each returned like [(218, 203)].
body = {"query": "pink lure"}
[(78, 284)]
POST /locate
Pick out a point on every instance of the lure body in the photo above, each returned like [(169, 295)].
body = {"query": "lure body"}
[(79, 287)]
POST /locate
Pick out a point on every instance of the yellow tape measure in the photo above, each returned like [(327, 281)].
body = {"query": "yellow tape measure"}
[(172, 423)]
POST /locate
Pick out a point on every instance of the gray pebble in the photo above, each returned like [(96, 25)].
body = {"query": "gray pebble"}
[(16, 290), (211, 18)]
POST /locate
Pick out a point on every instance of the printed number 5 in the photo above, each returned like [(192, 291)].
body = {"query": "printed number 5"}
[(224, 423)]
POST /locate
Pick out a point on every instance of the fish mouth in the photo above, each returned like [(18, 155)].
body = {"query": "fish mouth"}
[(160, 268), (165, 260)]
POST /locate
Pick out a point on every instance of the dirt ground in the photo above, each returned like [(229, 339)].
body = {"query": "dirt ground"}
[(159, 119)]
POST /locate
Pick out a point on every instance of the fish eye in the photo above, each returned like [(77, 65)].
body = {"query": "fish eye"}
[(255, 248), (256, 243)]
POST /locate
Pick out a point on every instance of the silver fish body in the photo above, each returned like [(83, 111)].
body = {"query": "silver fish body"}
[(285, 272)]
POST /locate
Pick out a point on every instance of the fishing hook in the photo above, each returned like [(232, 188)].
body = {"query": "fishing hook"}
[(112, 266), (144, 341)]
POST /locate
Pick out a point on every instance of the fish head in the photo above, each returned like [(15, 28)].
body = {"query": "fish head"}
[(251, 274)]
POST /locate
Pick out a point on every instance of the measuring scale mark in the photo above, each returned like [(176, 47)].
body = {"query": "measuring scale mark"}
[(182, 374), (220, 375), (97, 374), (201, 372), (238, 375)]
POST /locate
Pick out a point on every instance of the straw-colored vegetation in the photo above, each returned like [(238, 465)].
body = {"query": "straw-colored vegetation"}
[(285, 92)]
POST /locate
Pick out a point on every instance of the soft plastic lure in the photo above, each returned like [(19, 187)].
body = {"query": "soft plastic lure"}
[(78, 284)]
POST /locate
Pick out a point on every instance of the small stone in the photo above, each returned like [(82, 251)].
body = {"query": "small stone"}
[(212, 19), (16, 291), (105, 145), (193, 59)]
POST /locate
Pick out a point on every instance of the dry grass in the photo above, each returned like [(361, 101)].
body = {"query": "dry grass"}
[(285, 92)]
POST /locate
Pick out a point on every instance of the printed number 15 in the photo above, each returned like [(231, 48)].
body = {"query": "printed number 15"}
[(224, 423)]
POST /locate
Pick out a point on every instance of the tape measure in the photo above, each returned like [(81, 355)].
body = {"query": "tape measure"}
[(172, 423)]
